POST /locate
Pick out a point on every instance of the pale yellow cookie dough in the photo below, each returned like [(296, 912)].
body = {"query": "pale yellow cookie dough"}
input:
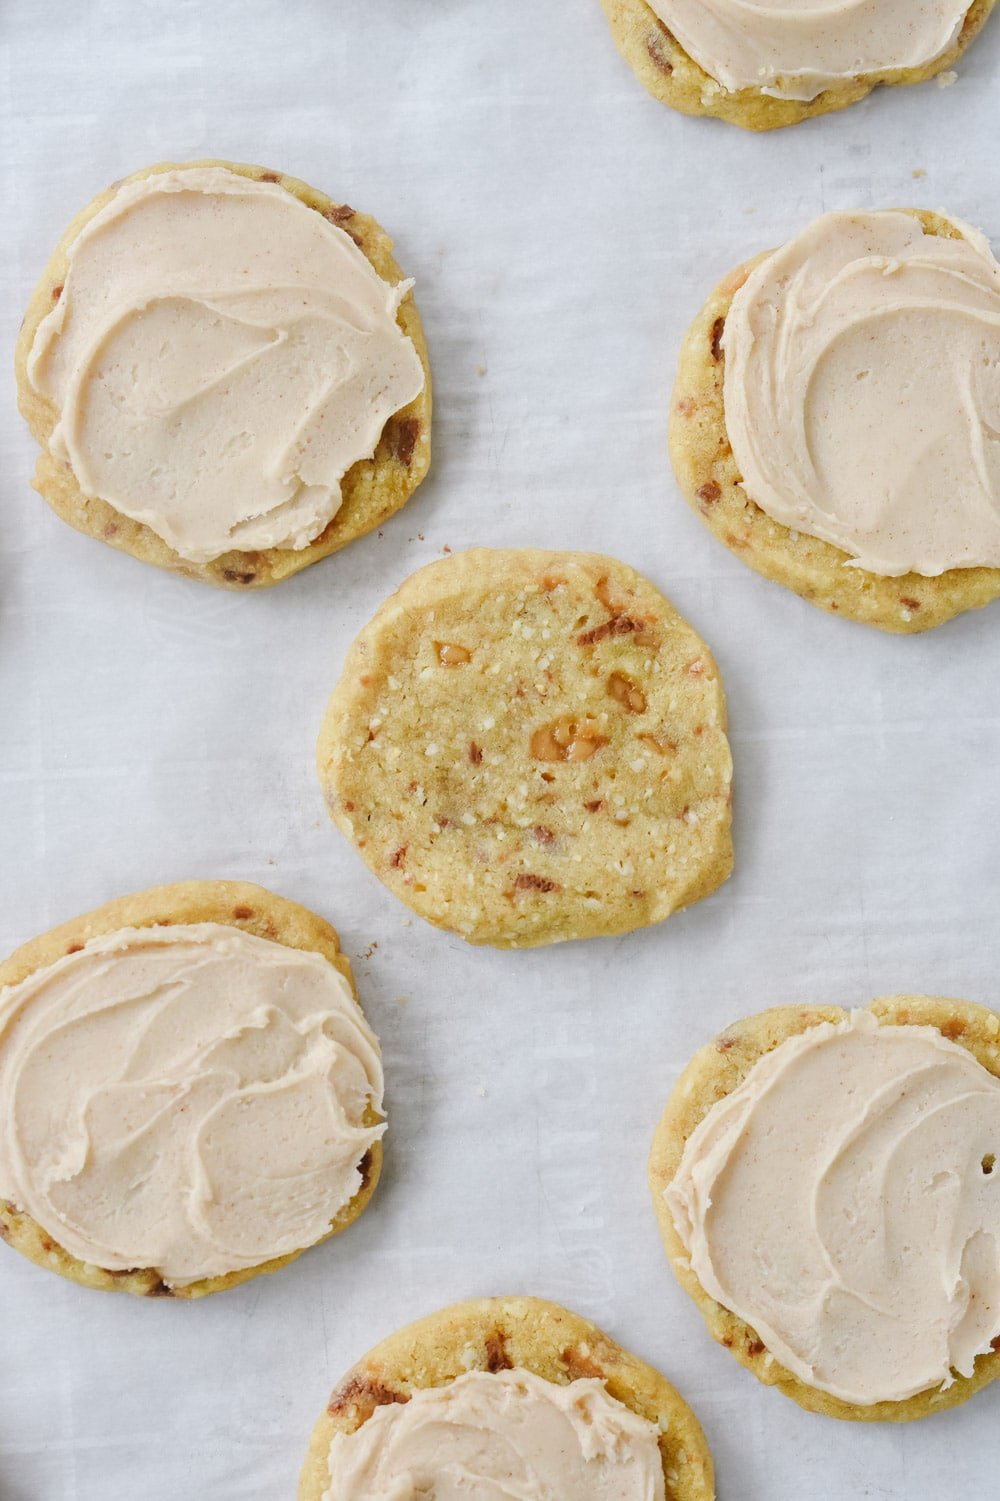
[(495, 1334), (530, 746), (715, 1072), (708, 477), (372, 490), (238, 904), (666, 70)]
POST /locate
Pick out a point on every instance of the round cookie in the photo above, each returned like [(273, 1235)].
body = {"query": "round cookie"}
[(497, 1334), (672, 76), (709, 479), (530, 746), (237, 904), (714, 1073), (372, 490)]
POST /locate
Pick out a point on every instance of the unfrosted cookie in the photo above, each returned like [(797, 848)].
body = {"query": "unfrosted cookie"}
[(671, 74), (189, 1092), (226, 373), (879, 1130), (904, 461), (501, 1339), (530, 746)]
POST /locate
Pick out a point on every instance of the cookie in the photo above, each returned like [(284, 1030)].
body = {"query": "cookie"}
[(711, 479), (860, 1225), (499, 1335), (530, 746), (234, 434), (187, 1034), (671, 75)]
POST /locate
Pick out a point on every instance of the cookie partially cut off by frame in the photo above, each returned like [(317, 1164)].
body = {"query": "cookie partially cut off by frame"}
[(530, 746), (509, 1334), (668, 72), (217, 1090)]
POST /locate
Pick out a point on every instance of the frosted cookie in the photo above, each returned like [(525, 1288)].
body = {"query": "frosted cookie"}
[(226, 374), (506, 1391), (189, 1092), (826, 1190), (530, 746), (766, 66), (836, 416)]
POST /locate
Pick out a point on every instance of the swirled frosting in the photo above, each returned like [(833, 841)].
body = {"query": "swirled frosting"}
[(508, 1436), (191, 1099), (220, 355), (843, 1202), (862, 391), (794, 49)]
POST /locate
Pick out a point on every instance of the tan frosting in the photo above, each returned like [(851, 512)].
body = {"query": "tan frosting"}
[(220, 355), (508, 1436), (189, 1099), (843, 1202), (794, 49), (862, 391)]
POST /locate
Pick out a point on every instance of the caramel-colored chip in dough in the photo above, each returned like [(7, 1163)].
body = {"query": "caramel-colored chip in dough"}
[(530, 746)]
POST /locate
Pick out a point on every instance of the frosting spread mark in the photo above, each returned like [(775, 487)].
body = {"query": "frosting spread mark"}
[(193, 1099), (842, 1202), (796, 49), (220, 355), (862, 391), (508, 1436)]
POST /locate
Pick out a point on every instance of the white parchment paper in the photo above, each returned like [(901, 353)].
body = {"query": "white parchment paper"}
[(562, 228)]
